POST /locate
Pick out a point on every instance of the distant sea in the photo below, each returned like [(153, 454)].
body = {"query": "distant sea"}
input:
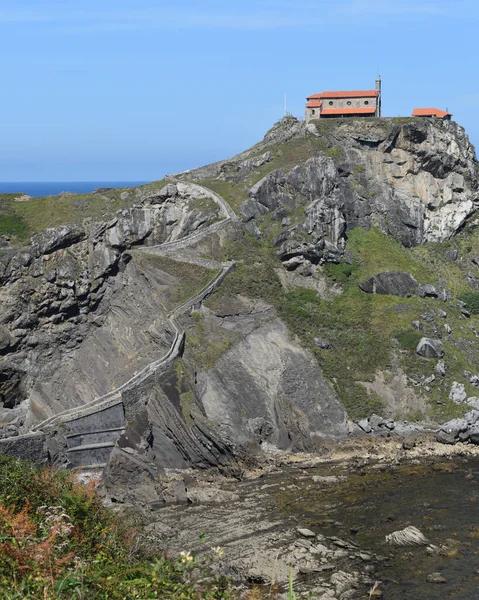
[(52, 188)]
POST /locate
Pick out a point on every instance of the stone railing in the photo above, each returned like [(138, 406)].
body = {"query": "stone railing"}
[(115, 396)]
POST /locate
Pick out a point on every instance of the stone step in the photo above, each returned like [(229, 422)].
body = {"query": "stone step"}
[(92, 446), (93, 437), (92, 455)]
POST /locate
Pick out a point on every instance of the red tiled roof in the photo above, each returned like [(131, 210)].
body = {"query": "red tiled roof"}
[(430, 112), (350, 110), (346, 94), (314, 104)]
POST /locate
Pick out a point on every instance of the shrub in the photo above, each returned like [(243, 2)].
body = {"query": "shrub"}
[(57, 541), (408, 339), (471, 300)]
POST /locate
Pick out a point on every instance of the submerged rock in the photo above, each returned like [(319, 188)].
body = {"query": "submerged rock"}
[(410, 536), (436, 578)]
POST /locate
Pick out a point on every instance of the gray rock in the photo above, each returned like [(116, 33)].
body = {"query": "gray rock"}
[(440, 368), (430, 348), (458, 392), (375, 422), (473, 401), (449, 432), (446, 438), (473, 435), (429, 379), (447, 328), (329, 479), (441, 313), (452, 255), (364, 425), (5, 338), (436, 578), (474, 380), (465, 312), (430, 291), (416, 325), (394, 283), (200, 495), (410, 536), (307, 533), (323, 344)]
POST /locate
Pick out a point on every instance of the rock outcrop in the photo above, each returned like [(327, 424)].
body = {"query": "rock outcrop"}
[(109, 316), (394, 283), (414, 179)]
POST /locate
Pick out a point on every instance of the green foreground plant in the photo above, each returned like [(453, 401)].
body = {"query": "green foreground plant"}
[(57, 541)]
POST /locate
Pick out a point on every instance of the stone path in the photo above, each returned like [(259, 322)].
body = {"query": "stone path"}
[(90, 445)]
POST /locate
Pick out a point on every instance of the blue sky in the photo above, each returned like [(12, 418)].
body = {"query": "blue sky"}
[(131, 90)]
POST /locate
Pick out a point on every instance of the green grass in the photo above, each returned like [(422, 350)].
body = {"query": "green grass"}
[(57, 541), (471, 300), (23, 219), (207, 347), (368, 333), (235, 195), (190, 278), (409, 339)]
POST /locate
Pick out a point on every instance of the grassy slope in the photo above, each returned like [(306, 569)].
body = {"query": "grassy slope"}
[(190, 278), (22, 219), (285, 156), (367, 331), (57, 541)]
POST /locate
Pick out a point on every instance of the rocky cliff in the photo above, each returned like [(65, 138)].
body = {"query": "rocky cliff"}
[(273, 301)]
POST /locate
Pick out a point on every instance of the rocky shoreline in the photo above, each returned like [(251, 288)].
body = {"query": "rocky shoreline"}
[(253, 520)]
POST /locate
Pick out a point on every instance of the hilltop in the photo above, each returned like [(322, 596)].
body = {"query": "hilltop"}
[(233, 304)]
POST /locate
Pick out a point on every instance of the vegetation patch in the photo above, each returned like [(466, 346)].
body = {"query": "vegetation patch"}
[(205, 346), (471, 300), (368, 333), (57, 541), (409, 339), (234, 194), (189, 278)]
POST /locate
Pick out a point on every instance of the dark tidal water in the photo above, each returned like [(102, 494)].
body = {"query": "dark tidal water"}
[(440, 499), (52, 188)]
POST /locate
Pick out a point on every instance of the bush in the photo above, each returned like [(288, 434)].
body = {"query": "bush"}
[(408, 339), (57, 540), (471, 300)]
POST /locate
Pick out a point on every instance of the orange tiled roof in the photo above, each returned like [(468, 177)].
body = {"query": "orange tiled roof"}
[(430, 112), (350, 110), (314, 104), (346, 94)]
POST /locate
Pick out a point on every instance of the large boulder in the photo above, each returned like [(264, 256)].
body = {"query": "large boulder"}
[(430, 348), (394, 283)]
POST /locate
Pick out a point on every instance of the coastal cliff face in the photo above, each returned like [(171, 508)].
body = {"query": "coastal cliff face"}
[(233, 300)]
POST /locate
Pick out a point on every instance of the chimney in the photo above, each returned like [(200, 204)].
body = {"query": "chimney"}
[(378, 89)]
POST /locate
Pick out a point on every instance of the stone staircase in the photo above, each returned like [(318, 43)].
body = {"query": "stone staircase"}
[(91, 437), (92, 430)]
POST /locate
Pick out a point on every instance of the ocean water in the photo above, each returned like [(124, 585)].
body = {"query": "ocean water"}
[(52, 188)]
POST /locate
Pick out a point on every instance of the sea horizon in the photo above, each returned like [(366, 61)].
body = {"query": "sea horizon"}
[(37, 189)]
